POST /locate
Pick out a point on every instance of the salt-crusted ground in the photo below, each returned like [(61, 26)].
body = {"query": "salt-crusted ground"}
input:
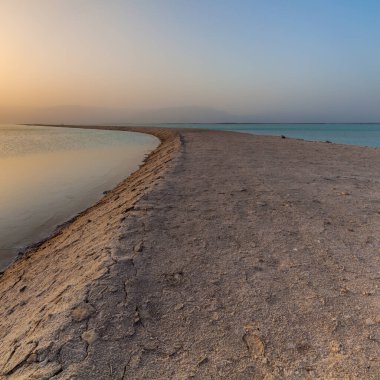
[(227, 256)]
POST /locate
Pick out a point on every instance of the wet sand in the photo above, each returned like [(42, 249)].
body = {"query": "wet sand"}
[(226, 256)]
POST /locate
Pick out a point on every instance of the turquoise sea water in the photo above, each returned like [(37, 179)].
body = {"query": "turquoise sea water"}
[(48, 175), (354, 134)]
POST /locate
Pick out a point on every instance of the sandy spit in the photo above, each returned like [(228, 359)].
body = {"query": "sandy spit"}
[(45, 293), (226, 256)]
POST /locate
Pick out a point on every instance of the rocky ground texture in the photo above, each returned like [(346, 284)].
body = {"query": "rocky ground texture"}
[(226, 256)]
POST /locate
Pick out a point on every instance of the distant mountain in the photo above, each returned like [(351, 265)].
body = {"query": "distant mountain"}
[(186, 115), (103, 115), (100, 115)]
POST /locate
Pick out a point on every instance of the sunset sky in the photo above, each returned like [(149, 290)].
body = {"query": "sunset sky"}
[(312, 60)]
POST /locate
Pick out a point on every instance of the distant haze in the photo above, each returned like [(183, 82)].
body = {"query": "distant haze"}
[(96, 61), (101, 115)]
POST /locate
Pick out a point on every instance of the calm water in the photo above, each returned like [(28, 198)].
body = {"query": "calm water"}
[(354, 134), (47, 175)]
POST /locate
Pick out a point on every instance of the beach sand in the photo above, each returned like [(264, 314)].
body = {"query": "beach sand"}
[(225, 256)]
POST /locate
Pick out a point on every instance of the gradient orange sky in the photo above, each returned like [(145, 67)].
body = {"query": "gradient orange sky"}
[(74, 52), (100, 53), (244, 57)]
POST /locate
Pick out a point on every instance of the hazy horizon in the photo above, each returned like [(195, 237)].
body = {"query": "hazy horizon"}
[(186, 115), (66, 61)]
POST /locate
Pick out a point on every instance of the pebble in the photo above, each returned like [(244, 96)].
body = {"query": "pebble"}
[(134, 361), (369, 322), (82, 312), (89, 336), (32, 358), (138, 247), (179, 306), (113, 289), (203, 361), (261, 204), (335, 347)]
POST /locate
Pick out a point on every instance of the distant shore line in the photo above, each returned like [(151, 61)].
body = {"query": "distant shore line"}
[(216, 123), (30, 248), (80, 251), (56, 229), (352, 134), (221, 245)]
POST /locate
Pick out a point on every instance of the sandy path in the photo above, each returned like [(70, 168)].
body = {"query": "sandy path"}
[(252, 258)]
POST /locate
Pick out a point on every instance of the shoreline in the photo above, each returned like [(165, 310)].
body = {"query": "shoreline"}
[(132, 189), (179, 128), (25, 249), (244, 256)]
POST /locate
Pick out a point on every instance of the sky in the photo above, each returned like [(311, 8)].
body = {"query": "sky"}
[(242, 60)]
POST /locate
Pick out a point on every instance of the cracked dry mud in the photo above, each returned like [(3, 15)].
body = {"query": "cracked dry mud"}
[(226, 256)]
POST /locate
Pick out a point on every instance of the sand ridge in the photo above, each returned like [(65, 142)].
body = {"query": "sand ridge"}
[(46, 290), (252, 257)]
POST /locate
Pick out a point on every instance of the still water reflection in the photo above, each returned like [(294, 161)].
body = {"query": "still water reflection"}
[(47, 175)]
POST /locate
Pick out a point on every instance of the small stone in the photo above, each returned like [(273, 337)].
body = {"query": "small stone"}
[(203, 361), (138, 247), (136, 318), (32, 358), (134, 361), (254, 343), (178, 306), (89, 336), (261, 204), (42, 354), (335, 347), (370, 322), (344, 290), (215, 316), (82, 312)]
